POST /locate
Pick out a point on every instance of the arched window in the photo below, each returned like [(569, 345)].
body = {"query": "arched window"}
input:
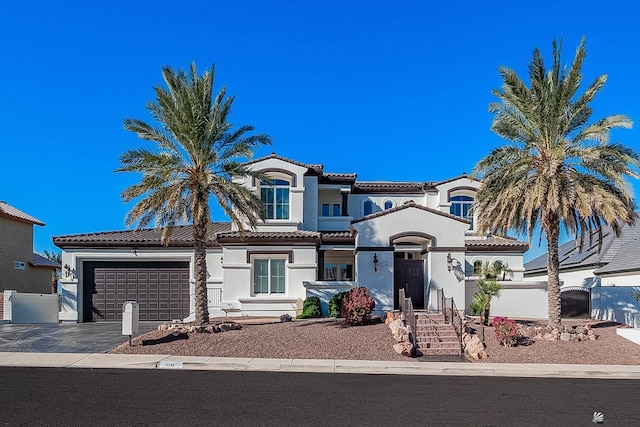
[(477, 268), (461, 207), (368, 208), (275, 198), (388, 205)]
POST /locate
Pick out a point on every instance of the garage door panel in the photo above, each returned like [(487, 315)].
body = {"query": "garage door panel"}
[(161, 289)]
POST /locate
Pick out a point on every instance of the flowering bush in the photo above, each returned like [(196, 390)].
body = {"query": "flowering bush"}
[(506, 331), (357, 306)]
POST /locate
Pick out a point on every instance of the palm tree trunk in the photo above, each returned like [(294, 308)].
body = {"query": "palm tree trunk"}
[(200, 269), (552, 230)]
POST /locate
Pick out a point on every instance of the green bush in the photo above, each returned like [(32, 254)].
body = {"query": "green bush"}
[(311, 308), (357, 306), (335, 304)]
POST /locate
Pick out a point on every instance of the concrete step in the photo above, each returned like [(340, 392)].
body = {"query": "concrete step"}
[(438, 352), (439, 345)]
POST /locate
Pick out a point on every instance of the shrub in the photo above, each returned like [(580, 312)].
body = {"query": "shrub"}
[(335, 304), (357, 306), (311, 308), (506, 331)]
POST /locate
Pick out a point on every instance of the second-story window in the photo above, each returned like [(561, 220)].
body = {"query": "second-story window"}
[(461, 207), (331, 209), (368, 208), (275, 198)]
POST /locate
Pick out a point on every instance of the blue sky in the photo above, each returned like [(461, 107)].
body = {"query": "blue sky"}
[(389, 91)]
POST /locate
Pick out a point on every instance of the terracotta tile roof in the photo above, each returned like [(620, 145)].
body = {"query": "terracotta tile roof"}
[(335, 178), (284, 159), (464, 175), (391, 187), (495, 243), (406, 206), (40, 261), (8, 211), (337, 237), (268, 236), (181, 236)]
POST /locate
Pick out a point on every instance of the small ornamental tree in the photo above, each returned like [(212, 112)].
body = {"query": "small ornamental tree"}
[(357, 306)]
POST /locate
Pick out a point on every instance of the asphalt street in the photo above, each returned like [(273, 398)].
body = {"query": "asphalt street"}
[(105, 397)]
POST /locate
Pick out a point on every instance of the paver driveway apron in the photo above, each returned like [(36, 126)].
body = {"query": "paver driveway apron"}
[(66, 337)]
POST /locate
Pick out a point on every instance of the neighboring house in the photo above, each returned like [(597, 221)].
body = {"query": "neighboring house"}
[(20, 268), (324, 233), (613, 262)]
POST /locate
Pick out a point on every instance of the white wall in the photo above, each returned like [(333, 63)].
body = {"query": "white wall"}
[(31, 308), (517, 299), (615, 303), (624, 279), (567, 278), (512, 260)]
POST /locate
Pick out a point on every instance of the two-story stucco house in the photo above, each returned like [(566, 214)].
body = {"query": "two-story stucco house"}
[(21, 269), (325, 232)]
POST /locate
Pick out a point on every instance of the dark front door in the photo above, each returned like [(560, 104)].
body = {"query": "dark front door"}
[(409, 274), (160, 288)]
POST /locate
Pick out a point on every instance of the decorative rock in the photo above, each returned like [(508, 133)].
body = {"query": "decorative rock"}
[(581, 336), (390, 317), (550, 337), (285, 318), (403, 348), (475, 349), (565, 336)]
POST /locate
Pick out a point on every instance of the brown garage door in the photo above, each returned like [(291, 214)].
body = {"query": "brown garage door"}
[(160, 288)]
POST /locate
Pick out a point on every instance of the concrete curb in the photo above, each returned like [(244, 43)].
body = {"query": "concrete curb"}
[(150, 361)]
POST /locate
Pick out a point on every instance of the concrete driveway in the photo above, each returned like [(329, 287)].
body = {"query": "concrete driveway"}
[(66, 337)]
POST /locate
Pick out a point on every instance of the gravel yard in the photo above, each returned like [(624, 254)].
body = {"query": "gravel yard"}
[(332, 339)]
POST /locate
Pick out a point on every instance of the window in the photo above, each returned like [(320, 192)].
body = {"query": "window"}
[(477, 268), (268, 276), (461, 207), (336, 271), (368, 208), (331, 209), (275, 198), (388, 205)]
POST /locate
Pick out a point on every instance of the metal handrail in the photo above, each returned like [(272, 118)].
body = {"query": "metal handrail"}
[(406, 308), (451, 315)]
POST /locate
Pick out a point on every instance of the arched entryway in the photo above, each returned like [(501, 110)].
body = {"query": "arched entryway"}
[(410, 267)]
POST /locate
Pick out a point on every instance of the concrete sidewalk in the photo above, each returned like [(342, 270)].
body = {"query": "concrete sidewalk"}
[(140, 361)]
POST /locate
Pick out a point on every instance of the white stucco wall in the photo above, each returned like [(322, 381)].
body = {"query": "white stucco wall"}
[(527, 300), (567, 278), (238, 280), (513, 261), (631, 278), (616, 303)]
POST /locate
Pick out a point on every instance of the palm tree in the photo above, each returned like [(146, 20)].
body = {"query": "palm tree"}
[(55, 274), (196, 156), (560, 169), (488, 287)]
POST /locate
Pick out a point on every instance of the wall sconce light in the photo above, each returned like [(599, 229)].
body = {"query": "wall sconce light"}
[(449, 262), (134, 251), (375, 261)]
